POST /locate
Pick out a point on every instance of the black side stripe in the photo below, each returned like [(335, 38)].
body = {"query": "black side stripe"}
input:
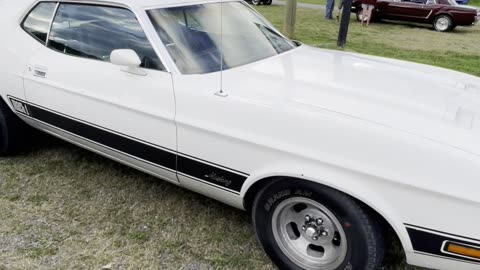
[(431, 243), (223, 178), (129, 146), (211, 174)]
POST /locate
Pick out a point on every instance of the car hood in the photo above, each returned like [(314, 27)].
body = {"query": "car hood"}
[(431, 102), (470, 7)]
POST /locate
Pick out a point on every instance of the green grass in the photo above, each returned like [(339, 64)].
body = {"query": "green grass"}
[(322, 2), (65, 208), (62, 207), (474, 3), (317, 2), (458, 50)]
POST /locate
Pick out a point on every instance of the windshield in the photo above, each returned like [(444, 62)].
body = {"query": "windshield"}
[(192, 36), (453, 3)]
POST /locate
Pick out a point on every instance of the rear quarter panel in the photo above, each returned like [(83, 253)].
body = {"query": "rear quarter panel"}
[(461, 16)]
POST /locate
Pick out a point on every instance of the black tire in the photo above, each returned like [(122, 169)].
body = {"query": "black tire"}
[(256, 2), (364, 239), (12, 131), (443, 23), (267, 2)]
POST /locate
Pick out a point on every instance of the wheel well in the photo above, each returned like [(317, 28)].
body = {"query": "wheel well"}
[(394, 249), (253, 191), (443, 14)]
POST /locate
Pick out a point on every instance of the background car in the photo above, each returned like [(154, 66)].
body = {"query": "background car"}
[(258, 2), (444, 15), (463, 2)]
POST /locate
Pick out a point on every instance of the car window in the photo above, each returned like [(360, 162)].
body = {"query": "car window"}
[(201, 41), (37, 23), (93, 32), (420, 2)]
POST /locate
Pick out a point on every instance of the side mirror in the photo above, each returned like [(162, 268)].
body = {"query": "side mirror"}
[(129, 59)]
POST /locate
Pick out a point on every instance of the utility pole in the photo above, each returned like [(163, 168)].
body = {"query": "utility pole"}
[(345, 21), (290, 18)]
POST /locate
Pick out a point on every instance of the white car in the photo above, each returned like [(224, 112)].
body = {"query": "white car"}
[(325, 149)]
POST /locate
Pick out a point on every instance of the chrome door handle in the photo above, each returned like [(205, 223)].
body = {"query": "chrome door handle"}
[(39, 71)]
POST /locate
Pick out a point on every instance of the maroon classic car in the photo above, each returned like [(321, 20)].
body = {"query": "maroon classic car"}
[(444, 15)]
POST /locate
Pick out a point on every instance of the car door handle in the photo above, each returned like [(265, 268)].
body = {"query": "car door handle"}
[(39, 71)]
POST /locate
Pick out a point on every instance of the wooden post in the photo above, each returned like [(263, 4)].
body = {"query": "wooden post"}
[(290, 18), (343, 31)]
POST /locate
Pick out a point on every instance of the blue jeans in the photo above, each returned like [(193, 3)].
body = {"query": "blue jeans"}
[(329, 9)]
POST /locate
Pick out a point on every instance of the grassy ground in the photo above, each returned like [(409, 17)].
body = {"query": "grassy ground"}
[(322, 2), (65, 208), (317, 2), (458, 50)]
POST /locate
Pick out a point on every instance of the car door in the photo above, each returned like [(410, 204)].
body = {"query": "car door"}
[(382, 9), (414, 10), (73, 91)]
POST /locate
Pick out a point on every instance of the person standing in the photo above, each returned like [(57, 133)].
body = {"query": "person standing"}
[(367, 8), (329, 9)]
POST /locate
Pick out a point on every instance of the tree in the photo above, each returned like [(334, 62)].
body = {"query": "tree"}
[(290, 18)]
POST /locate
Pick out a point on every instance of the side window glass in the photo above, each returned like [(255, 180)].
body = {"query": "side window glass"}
[(38, 21), (95, 31)]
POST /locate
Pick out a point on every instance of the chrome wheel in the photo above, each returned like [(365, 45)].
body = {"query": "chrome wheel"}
[(442, 24), (256, 2), (309, 234)]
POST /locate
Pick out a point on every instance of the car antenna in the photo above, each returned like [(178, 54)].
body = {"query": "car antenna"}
[(221, 93)]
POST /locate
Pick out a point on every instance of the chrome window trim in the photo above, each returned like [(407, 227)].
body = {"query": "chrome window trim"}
[(24, 17), (98, 3), (51, 23)]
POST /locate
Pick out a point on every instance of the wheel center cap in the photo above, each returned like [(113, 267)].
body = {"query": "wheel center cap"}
[(310, 232)]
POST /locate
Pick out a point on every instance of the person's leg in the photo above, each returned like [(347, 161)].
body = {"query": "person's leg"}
[(329, 9), (370, 10), (364, 13)]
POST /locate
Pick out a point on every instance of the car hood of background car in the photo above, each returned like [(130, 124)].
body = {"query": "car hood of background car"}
[(470, 7), (435, 103)]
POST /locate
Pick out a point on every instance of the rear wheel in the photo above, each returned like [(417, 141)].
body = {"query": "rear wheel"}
[(12, 130), (256, 2), (443, 23), (267, 2), (303, 225)]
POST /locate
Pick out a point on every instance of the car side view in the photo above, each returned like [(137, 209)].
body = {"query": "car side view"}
[(443, 15), (208, 95)]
